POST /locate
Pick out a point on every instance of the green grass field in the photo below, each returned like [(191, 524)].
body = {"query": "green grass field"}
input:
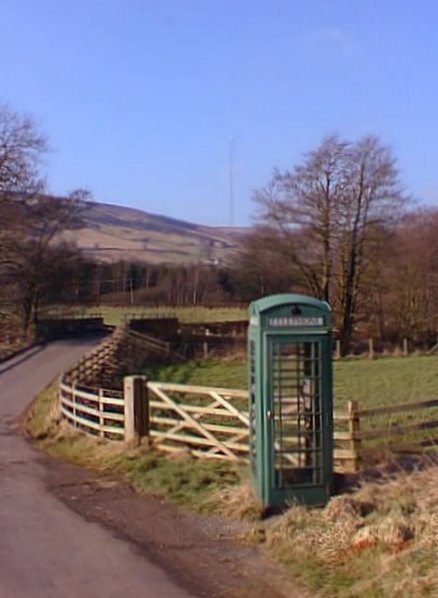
[(116, 315), (373, 383)]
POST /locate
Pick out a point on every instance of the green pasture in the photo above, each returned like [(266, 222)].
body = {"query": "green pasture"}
[(115, 315), (373, 383), (383, 382), (196, 314)]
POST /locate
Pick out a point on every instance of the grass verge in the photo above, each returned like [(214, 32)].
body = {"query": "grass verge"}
[(180, 479)]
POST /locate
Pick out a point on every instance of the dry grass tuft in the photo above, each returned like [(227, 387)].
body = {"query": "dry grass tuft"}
[(344, 506), (301, 532), (238, 502), (391, 531)]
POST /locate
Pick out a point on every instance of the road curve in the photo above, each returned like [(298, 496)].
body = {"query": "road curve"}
[(46, 550)]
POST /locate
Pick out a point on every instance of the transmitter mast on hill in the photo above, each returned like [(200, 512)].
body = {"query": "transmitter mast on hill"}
[(231, 188)]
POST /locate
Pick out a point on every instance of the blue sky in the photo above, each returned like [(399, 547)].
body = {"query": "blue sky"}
[(139, 98)]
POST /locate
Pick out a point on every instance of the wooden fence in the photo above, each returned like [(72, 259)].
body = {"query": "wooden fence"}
[(124, 350), (155, 345), (409, 427), (99, 412), (206, 422), (213, 422)]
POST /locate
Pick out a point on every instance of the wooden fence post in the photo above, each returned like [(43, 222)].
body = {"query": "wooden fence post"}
[(101, 417), (207, 333), (136, 408), (405, 347), (370, 348), (353, 429), (338, 349), (73, 399)]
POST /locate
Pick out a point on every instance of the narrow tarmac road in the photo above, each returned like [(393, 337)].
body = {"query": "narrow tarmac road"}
[(46, 550)]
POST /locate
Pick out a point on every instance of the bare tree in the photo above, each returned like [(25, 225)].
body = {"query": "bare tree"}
[(303, 206), (22, 147), (372, 197), (326, 210), (31, 220), (409, 287), (264, 267), (43, 220)]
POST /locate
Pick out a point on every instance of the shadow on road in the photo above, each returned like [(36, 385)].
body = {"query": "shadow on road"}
[(16, 360)]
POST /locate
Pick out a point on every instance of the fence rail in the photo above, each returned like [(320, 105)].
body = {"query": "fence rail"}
[(95, 411), (409, 427)]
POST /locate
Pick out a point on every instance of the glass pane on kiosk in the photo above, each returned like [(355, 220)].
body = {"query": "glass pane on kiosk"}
[(296, 413), (252, 407)]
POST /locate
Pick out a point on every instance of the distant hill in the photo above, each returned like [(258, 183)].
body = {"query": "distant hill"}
[(112, 233)]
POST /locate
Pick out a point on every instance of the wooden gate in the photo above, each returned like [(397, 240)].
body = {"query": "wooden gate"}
[(209, 422)]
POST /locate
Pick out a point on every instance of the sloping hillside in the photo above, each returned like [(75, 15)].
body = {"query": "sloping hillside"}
[(113, 232)]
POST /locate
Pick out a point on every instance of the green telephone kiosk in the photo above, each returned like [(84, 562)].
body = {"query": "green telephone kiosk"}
[(290, 399)]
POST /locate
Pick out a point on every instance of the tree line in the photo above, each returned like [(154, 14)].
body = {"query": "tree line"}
[(338, 226)]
